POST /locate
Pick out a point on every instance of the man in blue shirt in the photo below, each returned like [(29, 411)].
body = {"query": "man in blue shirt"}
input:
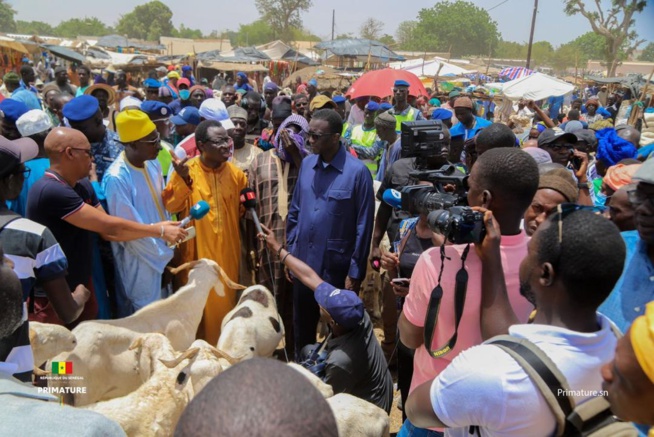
[(467, 127), (26, 93), (635, 288), (330, 220)]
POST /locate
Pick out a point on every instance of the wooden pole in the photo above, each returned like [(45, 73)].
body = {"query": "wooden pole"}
[(635, 110), (531, 34)]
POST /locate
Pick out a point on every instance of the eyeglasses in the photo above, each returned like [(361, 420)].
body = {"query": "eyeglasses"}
[(87, 151), (560, 147), (637, 198), (565, 209), (316, 136), (165, 121), (219, 142), (151, 142)]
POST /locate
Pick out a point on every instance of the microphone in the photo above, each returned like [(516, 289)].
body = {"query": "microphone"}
[(393, 198), (249, 201), (197, 211)]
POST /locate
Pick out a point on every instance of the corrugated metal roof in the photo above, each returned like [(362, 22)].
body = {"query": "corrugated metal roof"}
[(359, 47)]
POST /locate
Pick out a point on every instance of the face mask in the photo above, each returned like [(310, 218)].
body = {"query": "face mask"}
[(184, 94)]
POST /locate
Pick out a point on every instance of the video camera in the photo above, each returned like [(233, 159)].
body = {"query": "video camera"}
[(422, 199), (423, 138), (459, 224)]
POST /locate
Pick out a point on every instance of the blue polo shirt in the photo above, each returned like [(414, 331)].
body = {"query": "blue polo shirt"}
[(460, 130), (635, 288)]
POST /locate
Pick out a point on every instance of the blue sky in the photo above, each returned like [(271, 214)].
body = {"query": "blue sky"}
[(513, 16)]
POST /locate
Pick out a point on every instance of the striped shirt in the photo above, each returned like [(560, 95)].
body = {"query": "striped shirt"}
[(37, 258)]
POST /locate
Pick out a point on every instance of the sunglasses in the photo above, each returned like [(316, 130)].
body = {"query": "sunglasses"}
[(157, 140), (316, 136), (565, 209), (637, 198)]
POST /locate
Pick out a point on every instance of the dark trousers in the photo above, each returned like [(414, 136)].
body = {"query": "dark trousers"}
[(306, 314), (404, 373)]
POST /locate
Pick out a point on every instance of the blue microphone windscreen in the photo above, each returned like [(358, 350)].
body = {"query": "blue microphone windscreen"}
[(393, 198), (199, 210)]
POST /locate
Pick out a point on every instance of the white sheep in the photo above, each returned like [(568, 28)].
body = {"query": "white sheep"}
[(325, 389), (102, 356), (253, 328), (358, 418), (49, 340), (156, 406)]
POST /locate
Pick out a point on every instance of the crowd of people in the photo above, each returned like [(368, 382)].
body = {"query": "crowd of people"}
[(96, 177)]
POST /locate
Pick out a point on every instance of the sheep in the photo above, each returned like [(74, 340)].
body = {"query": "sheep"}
[(253, 327), (371, 287), (325, 389), (49, 340), (155, 407), (358, 418), (102, 356)]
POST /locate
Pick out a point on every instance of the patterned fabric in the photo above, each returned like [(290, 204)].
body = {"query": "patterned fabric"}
[(105, 152)]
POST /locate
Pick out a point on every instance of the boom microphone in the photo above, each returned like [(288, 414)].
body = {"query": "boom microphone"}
[(249, 201), (197, 211), (393, 198)]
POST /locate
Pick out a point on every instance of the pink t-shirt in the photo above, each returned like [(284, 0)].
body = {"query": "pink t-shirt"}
[(425, 278)]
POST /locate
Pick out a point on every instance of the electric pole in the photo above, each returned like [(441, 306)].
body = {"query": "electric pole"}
[(333, 22), (531, 35)]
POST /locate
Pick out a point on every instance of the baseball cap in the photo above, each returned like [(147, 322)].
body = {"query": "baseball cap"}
[(188, 115), (184, 81), (81, 108), (344, 306), (271, 86), (33, 122), (320, 102), (13, 109), (214, 109), (132, 125), (551, 135), (15, 152), (645, 173), (157, 108)]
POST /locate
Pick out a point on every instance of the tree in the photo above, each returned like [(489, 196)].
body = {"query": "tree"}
[(541, 53), (187, 32), (348, 35), (282, 15), (510, 50), (34, 28), (255, 33), (7, 23), (461, 25), (371, 29), (388, 40), (85, 26), (148, 21), (304, 35), (648, 53), (617, 33), (404, 34)]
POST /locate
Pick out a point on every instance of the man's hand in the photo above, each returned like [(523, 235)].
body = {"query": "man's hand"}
[(269, 237), (390, 261), (399, 290), (352, 284), (489, 248), (173, 233), (581, 172), (81, 294), (531, 105), (181, 168), (375, 258)]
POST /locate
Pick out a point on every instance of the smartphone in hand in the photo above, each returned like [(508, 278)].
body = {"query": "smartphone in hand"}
[(402, 282)]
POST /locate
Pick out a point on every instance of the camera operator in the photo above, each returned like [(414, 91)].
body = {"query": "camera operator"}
[(388, 219), (503, 180), (354, 362)]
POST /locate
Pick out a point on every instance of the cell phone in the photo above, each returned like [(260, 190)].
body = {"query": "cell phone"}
[(574, 160), (402, 282)]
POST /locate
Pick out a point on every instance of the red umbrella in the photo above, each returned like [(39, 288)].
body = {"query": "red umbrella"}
[(379, 83)]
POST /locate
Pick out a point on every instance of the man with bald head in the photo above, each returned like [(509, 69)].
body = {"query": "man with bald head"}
[(65, 202), (629, 133)]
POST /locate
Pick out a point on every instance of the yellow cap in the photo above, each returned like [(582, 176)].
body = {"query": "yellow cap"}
[(642, 340), (173, 75), (133, 125), (320, 102)]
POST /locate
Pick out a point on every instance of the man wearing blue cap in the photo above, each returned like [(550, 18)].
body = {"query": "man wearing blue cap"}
[(185, 123), (151, 88), (83, 114), (133, 186), (187, 72), (402, 110), (312, 89), (10, 112), (444, 115), (26, 93), (242, 82), (270, 90), (363, 137), (340, 108), (355, 363), (159, 114)]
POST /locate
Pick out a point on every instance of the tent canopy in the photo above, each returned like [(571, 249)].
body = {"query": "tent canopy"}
[(435, 67), (63, 52), (233, 66), (358, 47), (115, 41), (536, 86), (12, 44)]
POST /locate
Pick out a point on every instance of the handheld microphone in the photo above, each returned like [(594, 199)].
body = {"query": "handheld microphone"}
[(249, 201), (393, 198), (197, 211)]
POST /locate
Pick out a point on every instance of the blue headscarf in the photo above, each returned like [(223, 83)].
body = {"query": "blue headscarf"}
[(612, 149)]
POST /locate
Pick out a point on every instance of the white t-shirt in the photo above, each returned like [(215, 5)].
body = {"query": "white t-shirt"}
[(485, 386)]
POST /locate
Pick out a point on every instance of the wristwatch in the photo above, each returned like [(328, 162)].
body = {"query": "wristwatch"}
[(582, 185)]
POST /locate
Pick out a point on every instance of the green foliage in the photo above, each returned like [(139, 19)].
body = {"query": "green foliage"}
[(74, 27), (404, 34), (388, 40), (187, 32), (461, 25), (348, 35), (34, 28), (7, 23), (647, 54), (303, 35), (148, 21), (282, 16), (255, 33), (510, 50)]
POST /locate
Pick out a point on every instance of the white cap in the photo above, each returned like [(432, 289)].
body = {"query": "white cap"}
[(130, 102), (214, 109), (33, 122)]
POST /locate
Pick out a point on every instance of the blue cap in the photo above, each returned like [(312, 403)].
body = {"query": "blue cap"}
[(151, 83), (271, 86), (345, 306), (313, 82), (188, 115), (187, 68), (372, 106), (338, 99), (385, 106), (81, 108), (401, 82), (155, 107), (441, 114), (13, 109)]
